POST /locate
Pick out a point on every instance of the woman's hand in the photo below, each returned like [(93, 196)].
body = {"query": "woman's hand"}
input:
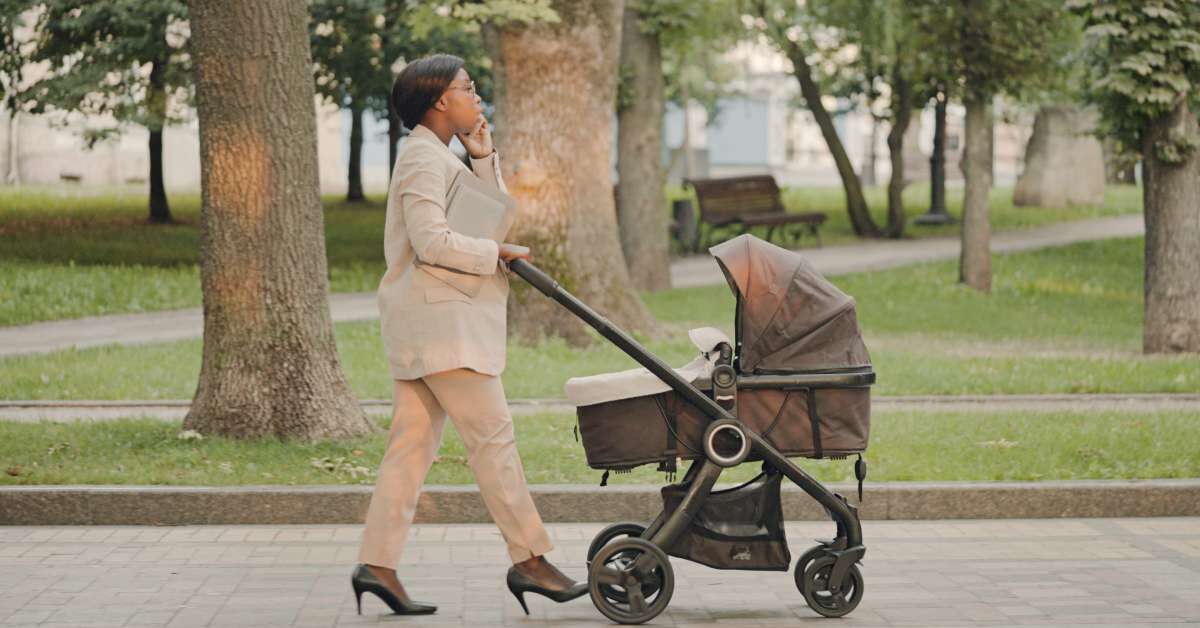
[(510, 252), (479, 141)]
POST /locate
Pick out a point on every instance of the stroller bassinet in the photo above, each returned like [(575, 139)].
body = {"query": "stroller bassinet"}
[(795, 382), (789, 321)]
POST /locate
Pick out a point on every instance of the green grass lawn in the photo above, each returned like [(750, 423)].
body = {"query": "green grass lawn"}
[(905, 445), (1060, 320), (70, 255)]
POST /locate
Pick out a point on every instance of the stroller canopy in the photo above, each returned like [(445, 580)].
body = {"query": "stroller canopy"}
[(788, 318)]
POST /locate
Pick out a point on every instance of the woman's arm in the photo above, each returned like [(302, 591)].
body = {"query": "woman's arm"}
[(422, 197), (488, 170)]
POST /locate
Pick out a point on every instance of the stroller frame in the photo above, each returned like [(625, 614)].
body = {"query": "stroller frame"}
[(846, 549)]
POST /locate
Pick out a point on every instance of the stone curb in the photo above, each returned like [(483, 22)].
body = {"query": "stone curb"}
[(67, 410), (184, 505)]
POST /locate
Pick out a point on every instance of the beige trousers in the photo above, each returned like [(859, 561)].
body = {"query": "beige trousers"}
[(476, 403)]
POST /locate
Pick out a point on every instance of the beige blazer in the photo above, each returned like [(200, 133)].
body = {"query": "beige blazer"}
[(427, 325)]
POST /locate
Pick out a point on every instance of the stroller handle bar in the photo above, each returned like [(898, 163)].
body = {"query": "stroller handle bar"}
[(551, 288)]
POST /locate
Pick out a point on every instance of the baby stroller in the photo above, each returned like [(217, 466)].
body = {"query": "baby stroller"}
[(795, 382)]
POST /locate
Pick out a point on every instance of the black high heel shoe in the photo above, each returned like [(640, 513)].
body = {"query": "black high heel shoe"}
[(363, 580), (519, 585)]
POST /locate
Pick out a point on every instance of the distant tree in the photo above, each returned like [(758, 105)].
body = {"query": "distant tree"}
[(14, 54), (126, 59), (883, 35), (357, 44), (347, 48), (996, 47), (1144, 61), (791, 27), (661, 42)]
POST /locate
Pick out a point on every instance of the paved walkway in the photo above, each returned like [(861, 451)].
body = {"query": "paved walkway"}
[(691, 271), (1116, 572), (176, 409)]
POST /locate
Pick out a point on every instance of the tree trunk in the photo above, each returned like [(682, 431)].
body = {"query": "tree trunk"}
[(867, 176), (14, 148), (643, 221), (160, 212), (975, 260), (1128, 175), (901, 117), (689, 169), (354, 187), (270, 366), (555, 89), (856, 203), (1171, 193), (937, 161)]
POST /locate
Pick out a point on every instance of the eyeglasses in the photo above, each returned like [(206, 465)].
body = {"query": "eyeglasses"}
[(469, 88)]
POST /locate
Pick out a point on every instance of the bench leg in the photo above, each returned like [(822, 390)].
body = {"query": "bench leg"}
[(816, 231)]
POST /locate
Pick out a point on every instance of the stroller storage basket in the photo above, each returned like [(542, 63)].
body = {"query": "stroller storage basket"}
[(736, 528), (807, 422)]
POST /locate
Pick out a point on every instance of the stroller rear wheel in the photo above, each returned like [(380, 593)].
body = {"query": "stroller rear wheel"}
[(643, 593), (606, 536), (819, 592), (614, 531)]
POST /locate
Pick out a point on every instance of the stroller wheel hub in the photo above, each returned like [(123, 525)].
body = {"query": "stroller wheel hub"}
[(726, 443)]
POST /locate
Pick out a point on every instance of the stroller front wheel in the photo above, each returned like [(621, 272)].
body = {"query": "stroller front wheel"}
[(825, 597), (805, 560), (631, 581)]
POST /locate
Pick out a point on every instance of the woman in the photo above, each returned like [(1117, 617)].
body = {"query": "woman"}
[(446, 349)]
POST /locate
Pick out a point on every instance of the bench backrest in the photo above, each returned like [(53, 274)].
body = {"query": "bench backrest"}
[(730, 197)]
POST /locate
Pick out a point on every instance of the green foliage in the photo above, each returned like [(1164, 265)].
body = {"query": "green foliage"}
[(13, 53), (694, 37), (500, 12), (359, 45), (346, 39), (879, 36), (124, 58), (1143, 58), (1015, 47)]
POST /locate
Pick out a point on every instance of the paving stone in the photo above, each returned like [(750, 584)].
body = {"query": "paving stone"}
[(1125, 572)]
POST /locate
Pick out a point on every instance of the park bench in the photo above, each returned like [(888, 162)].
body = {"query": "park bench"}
[(746, 202)]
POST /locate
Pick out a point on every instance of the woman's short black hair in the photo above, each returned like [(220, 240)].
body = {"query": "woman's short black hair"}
[(420, 84)]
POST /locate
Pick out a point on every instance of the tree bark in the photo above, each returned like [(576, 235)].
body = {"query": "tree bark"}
[(975, 261), (937, 161), (270, 365), (644, 222), (867, 177), (689, 168), (354, 186), (160, 211), (555, 89), (13, 176), (856, 203), (1171, 193), (901, 117)]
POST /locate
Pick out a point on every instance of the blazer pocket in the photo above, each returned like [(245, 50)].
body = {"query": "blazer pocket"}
[(445, 293)]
